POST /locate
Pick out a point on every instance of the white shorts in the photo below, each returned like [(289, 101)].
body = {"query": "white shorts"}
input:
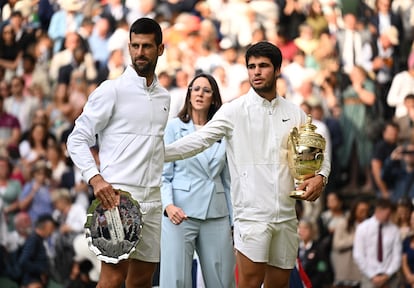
[(273, 243), (148, 248)]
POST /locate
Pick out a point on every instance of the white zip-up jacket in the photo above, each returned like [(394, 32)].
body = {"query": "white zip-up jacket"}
[(129, 119), (257, 131)]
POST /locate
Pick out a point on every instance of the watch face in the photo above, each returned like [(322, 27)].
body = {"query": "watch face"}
[(113, 234)]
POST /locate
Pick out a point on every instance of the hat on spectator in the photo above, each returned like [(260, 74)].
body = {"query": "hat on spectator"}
[(24, 7), (71, 5), (226, 43), (392, 34)]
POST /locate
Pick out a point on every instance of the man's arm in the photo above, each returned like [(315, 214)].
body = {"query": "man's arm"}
[(94, 118)]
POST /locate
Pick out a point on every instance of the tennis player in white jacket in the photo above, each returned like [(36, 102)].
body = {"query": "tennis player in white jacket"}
[(256, 127), (128, 115)]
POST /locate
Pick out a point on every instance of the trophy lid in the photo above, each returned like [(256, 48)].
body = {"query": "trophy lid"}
[(308, 136)]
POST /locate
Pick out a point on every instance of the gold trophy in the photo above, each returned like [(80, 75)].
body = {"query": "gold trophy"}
[(305, 154)]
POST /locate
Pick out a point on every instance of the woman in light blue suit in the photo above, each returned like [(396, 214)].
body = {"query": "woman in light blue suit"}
[(196, 199)]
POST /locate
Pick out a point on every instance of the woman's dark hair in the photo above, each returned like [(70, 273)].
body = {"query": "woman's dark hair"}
[(147, 26), (265, 49), (9, 164), (185, 113), (352, 215), (45, 137)]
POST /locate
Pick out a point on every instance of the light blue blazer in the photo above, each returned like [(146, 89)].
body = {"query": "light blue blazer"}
[(199, 185)]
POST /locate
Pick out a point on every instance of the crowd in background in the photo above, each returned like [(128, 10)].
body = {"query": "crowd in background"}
[(348, 63)]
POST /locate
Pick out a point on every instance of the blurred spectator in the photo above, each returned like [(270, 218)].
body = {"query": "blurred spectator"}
[(406, 123), (286, 45), (10, 52), (234, 70), (408, 256), (402, 214), (292, 16), (33, 259), (34, 148), (306, 40), (267, 14), (357, 147), (178, 93), (42, 51), (382, 150), (335, 140), (165, 80), (9, 193), (119, 39), (328, 221), (346, 272), (316, 19), (398, 172), (296, 71), (79, 64), (24, 35), (45, 11), (66, 56), (114, 11), (384, 18), (36, 195), (313, 258), (239, 27), (67, 19), (329, 218), (4, 89), (85, 31), (28, 65), (10, 130), (71, 218), (37, 92), (402, 85), (98, 41), (12, 6), (86, 267), (20, 106), (405, 11), (379, 59), (349, 44), (41, 117), (56, 162), (377, 248)]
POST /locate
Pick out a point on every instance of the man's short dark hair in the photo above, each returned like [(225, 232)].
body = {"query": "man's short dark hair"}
[(265, 49), (147, 26), (409, 97), (384, 203), (44, 218)]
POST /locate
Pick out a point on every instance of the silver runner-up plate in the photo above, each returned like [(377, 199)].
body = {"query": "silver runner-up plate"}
[(113, 234)]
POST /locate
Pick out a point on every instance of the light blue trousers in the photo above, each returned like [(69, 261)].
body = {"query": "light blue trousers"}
[(213, 242)]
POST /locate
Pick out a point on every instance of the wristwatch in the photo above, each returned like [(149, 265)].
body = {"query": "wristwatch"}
[(324, 180)]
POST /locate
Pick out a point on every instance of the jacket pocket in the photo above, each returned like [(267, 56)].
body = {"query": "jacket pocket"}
[(181, 185)]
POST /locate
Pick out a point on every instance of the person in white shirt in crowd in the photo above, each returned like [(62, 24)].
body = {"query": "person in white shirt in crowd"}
[(377, 248), (402, 85)]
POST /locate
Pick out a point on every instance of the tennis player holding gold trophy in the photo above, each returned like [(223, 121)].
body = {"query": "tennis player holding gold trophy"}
[(305, 154)]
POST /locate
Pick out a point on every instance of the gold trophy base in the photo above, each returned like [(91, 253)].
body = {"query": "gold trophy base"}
[(297, 194)]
